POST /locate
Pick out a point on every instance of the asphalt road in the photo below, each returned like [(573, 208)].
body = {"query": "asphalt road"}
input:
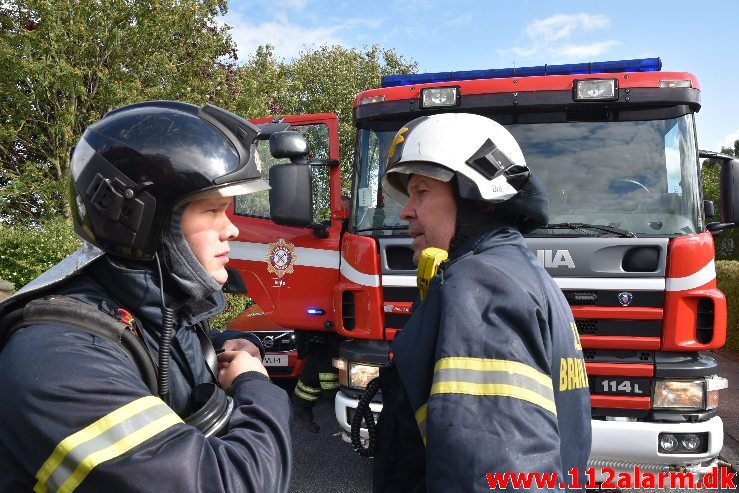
[(323, 461)]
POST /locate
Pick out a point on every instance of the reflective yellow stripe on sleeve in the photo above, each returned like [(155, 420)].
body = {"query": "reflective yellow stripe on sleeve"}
[(421, 415), (107, 438), (493, 377)]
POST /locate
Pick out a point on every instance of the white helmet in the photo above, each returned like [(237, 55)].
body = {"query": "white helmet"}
[(484, 156)]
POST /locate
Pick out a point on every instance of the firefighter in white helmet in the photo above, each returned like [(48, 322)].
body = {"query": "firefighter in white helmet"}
[(487, 375)]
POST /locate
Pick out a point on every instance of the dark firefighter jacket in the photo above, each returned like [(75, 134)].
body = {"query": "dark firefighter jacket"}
[(488, 377), (76, 416)]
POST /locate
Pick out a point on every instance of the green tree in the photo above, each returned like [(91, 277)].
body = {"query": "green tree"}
[(64, 63), (326, 79), (728, 241), (261, 85)]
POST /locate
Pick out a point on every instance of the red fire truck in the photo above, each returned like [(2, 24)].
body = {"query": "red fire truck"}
[(630, 241)]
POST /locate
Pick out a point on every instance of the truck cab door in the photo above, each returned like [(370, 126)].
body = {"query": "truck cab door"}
[(291, 272)]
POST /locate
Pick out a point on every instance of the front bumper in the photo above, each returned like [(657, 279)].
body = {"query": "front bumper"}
[(619, 445), (344, 405), (635, 444)]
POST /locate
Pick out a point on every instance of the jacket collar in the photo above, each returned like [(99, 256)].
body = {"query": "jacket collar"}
[(497, 236), (136, 287)]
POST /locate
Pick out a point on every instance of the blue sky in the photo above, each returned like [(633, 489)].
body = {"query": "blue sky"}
[(696, 37)]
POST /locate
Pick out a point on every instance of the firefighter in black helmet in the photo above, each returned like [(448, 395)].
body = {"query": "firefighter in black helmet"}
[(142, 410)]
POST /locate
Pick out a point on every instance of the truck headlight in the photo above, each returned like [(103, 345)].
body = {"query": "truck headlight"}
[(679, 394), (713, 385), (360, 375), (340, 364)]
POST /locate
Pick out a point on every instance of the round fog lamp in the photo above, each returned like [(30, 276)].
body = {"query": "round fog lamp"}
[(668, 442), (690, 441)]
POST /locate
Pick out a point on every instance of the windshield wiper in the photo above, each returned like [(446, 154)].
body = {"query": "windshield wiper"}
[(383, 228), (598, 227)]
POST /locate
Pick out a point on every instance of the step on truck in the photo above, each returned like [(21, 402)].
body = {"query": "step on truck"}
[(630, 242)]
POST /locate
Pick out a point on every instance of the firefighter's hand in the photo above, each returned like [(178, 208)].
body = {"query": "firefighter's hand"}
[(231, 364), (242, 345)]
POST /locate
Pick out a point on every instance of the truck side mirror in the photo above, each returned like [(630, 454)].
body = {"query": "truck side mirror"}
[(709, 209), (290, 195), (288, 145), (730, 191)]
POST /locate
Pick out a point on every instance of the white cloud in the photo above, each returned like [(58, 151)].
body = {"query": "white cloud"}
[(287, 37), (730, 139), (524, 52), (586, 50), (294, 4), (459, 21), (560, 26), (551, 38)]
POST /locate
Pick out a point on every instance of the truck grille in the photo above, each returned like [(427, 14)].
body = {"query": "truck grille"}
[(629, 328), (617, 356), (587, 327)]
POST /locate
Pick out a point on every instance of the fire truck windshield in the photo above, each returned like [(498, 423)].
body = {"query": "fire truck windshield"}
[(639, 176)]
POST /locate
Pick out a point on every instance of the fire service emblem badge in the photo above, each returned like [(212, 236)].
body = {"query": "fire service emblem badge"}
[(280, 258)]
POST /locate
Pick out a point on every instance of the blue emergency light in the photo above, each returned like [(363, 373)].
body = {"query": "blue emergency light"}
[(637, 65), (315, 311)]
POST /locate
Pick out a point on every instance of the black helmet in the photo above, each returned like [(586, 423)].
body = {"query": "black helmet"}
[(131, 169)]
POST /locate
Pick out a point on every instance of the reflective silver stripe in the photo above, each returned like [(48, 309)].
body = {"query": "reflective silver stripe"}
[(113, 435), (492, 377), (107, 438)]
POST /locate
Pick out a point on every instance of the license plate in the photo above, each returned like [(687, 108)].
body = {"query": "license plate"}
[(275, 360), (623, 386)]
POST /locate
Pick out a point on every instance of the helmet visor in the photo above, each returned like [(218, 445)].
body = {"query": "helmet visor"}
[(395, 181), (241, 188)]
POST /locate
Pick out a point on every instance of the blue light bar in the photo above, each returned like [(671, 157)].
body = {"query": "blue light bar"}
[(637, 65), (316, 311)]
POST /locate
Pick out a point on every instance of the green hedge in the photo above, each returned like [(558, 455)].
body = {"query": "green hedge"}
[(727, 273), (235, 304), (26, 252)]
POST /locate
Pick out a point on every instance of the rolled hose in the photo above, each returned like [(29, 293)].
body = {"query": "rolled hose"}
[(363, 412)]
